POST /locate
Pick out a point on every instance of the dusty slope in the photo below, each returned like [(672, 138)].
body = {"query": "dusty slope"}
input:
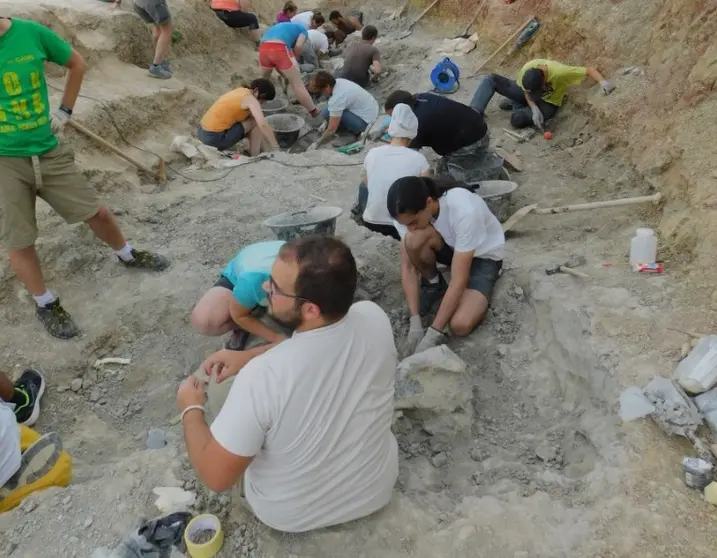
[(545, 471)]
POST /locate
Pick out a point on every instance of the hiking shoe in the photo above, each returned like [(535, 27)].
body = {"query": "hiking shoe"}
[(144, 259), (36, 462), (160, 72), (238, 340), (431, 293), (165, 64), (57, 320), (29, 388), (505, 105)]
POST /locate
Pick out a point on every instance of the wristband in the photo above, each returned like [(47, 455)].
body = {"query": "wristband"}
[(191, 408), (68, 110)]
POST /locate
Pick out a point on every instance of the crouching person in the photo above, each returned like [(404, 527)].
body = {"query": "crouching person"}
[(444, 223), (304, 426)]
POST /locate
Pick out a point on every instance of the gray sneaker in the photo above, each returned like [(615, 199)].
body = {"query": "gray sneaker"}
[(160, 72), (165, 65)]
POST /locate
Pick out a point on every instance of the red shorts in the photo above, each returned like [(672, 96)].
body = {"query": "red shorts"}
[(276, 55)]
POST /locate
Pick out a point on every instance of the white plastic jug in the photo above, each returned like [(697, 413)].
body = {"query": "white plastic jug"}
[(643, 247), (698, 371)]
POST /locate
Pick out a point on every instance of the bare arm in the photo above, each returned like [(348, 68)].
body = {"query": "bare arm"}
[(409, 282), (593, 73), (356, 23), (251, 103), (225, 363), (76, 72), (377, 68), (217, 468), (243, 318), (460, 272), (298, 46)]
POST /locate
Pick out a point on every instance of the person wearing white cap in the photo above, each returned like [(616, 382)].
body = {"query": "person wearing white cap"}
[(383, 166)]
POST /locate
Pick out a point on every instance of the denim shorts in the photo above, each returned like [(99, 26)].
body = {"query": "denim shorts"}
[(222, 140), (483, 275)]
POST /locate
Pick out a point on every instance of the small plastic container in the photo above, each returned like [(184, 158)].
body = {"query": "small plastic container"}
[(643, 247), (697, 373), (697, 473)]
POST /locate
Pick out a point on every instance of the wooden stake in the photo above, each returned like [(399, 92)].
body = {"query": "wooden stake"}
[(158, 174), (423, 13), (502, 46)]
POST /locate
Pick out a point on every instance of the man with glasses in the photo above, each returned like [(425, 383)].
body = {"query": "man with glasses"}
[(304, 429)]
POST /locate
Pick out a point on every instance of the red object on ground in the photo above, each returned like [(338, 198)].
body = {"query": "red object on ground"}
[(548, 135)]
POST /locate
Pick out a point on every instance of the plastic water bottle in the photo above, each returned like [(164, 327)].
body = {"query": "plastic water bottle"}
[(697, 373), (643, 247), (707, 404)]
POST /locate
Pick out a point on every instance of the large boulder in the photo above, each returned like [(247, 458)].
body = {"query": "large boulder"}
[(433, 387)]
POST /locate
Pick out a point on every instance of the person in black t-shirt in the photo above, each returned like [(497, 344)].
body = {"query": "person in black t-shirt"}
[(455, 131)]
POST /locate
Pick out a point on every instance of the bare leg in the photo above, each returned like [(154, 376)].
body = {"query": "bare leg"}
[(7, 389), (470, 312), (256, 35), (421, 247), (164, 42), (105, 226), (155, 36), (26, 266), (255, 141), (211, 314), (293, 75)]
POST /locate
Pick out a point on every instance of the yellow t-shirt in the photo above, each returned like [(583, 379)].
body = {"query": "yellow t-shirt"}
[(559, 78), (226, 111)]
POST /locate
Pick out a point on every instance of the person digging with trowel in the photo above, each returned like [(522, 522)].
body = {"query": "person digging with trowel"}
[(238, 114), (362, 60), (237, 302), (35, 163), (382, 167), (537, 92), (351, 109), (444, 223)]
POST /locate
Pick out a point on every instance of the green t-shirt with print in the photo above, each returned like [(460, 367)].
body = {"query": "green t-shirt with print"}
[(24, 103)]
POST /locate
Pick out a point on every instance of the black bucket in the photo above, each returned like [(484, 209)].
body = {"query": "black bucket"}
[(286, 128), (295, 224)]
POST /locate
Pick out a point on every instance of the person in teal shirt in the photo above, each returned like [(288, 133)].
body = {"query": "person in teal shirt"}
[(237, 301)]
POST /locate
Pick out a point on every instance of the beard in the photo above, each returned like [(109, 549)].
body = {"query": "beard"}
[(290, 319)]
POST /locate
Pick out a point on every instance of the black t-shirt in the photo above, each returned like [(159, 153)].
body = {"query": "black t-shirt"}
[(445, 125)]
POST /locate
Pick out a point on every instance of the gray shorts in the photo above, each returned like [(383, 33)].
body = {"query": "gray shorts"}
[(153, 11), (483, 275)]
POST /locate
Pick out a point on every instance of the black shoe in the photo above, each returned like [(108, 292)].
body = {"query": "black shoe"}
[(506, 105), (29, 388), (144, 259), (431, 293), (237, 341), (57, 320)]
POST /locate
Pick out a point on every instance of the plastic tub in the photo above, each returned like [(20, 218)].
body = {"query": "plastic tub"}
[(286, 128), (274, 106), (295, 224), (497, 195)]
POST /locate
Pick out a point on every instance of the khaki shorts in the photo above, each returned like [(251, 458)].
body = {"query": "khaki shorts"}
[(54, 178)]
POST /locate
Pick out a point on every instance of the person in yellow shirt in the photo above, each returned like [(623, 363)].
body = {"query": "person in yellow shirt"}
[(537, 92), (238, 114)]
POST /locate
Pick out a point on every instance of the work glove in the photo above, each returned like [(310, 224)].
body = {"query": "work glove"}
[(313, 147), (58, 119), (538, 119), (415, 334), (432, 338), (606, 87)]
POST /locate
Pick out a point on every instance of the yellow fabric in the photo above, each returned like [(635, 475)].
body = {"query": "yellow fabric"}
[(226, 111), (59, 475), (560, 77)]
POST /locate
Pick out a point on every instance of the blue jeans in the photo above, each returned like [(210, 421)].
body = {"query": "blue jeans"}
[(521, 115), (349, 121), (222, 140)]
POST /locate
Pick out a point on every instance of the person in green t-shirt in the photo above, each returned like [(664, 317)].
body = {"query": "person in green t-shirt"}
[(35, 163), (537, 92)]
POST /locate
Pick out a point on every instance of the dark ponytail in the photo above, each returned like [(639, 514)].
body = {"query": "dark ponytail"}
[(410, 194)]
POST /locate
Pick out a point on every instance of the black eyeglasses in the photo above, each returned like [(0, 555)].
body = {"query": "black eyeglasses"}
[(275, 290)]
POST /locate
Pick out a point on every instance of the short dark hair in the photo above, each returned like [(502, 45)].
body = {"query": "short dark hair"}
[(335, 14), (323, 79), (398, 97), (289, 7), (533, 80), (318, 19), (369, 33), (265, 88), (327, 273)]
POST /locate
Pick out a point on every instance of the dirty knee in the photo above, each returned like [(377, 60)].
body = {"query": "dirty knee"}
[(460, 327)]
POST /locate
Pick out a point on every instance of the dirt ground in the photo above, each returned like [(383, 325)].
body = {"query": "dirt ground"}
[(545, 470)]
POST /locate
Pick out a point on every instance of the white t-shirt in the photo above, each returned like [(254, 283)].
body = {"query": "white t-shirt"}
[(316, 413), (9, 444), (354, 98), (319, 41), (384, 165), (304, 18), (465, 223)]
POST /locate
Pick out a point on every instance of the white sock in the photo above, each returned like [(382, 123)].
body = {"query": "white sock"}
[(125, 253), (44, 299), (434, 281)]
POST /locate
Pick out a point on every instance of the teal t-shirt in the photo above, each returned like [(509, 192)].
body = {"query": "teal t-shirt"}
[(24, 103), (250, 269)]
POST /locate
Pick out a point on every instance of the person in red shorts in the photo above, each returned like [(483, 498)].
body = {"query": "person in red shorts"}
[(279, 47)]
